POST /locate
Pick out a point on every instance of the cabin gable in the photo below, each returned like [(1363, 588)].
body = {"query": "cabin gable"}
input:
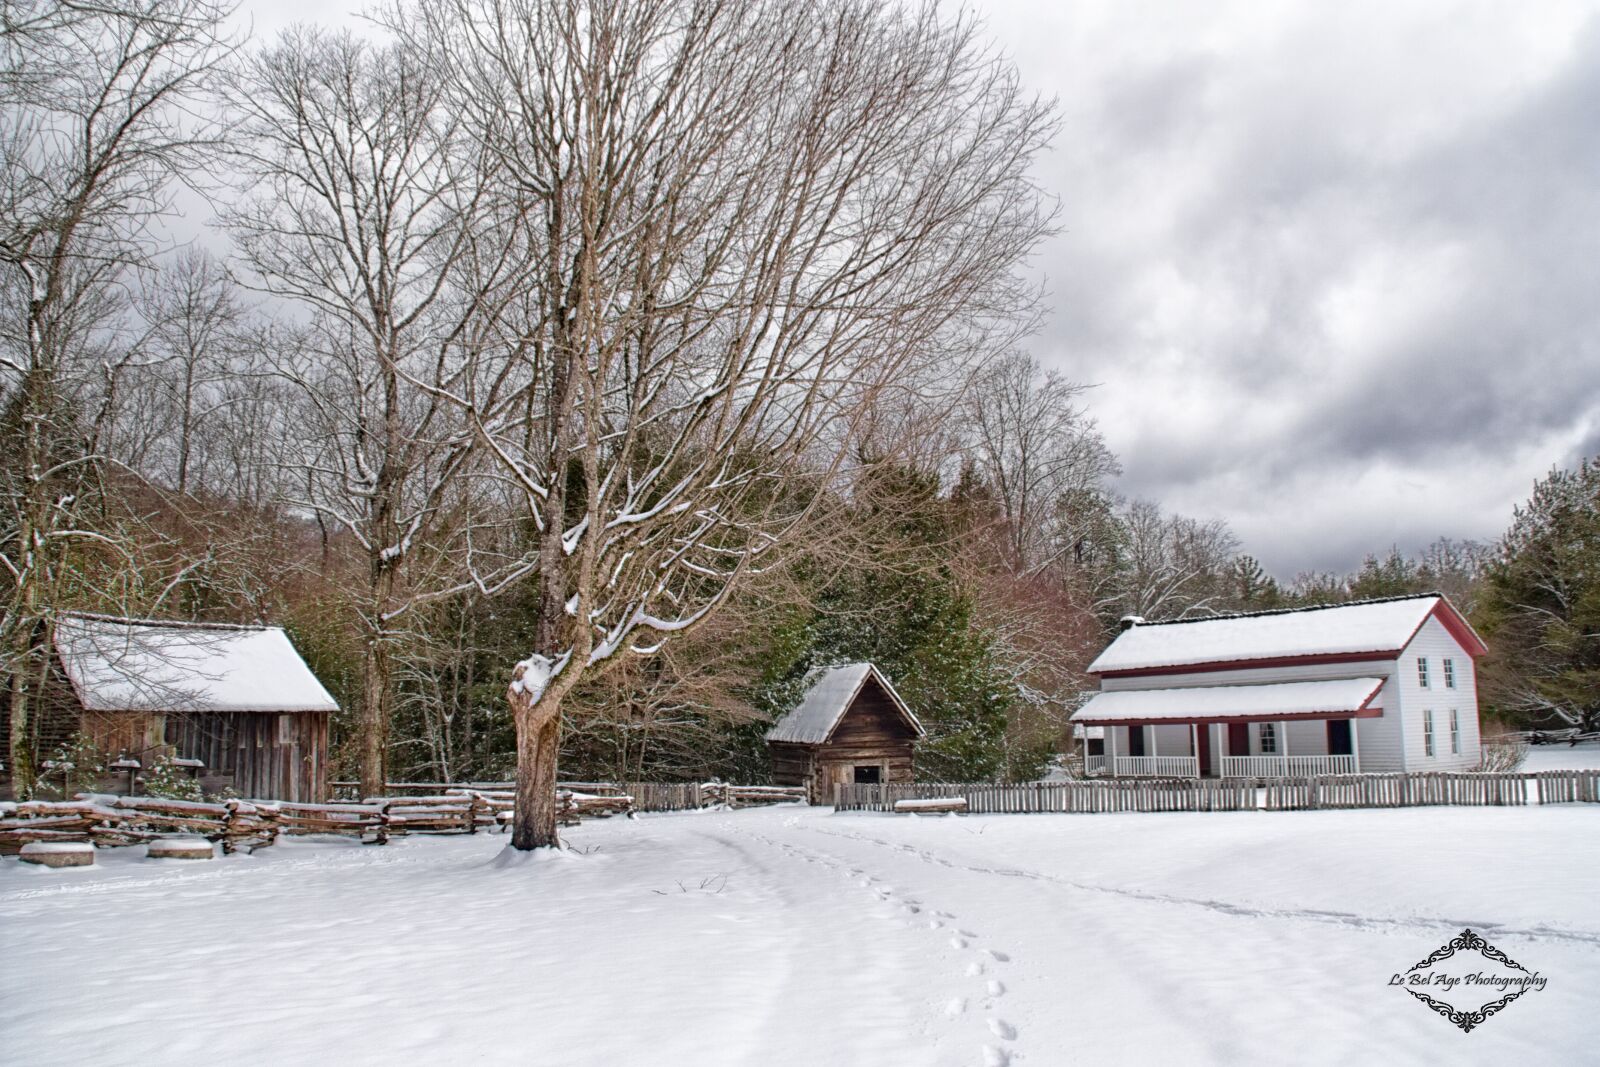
[(850, 728)]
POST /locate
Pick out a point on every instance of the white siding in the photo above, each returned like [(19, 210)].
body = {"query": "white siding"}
[(1435, 642), (1253, 675), (1378, 741), (1172, 739)]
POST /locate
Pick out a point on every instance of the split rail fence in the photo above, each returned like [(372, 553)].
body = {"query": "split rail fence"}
[(1242, 794), (253, 824), (645, 796)]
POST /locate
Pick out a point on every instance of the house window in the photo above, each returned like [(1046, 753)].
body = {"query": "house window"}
[(869, 775), (1449, 674), (1427, 733), (1269, 739), (1455, 727), (1422, 671)]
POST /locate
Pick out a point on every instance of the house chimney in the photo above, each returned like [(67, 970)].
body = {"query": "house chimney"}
[(1130, 621)]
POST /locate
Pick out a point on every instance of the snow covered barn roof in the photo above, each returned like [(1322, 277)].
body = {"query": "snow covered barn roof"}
[(833, 690), (1219, 703), (136, 665), (1375, 628)]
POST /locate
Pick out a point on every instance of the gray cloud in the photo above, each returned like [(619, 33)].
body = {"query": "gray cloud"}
[(1335, 267)]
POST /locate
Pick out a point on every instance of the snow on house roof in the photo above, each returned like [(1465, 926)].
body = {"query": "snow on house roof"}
[(1277, 700), (136, 665), (833, 690), (1381, 627)]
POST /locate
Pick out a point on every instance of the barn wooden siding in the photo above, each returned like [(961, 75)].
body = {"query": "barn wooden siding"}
[(872, 732), (51, 722)]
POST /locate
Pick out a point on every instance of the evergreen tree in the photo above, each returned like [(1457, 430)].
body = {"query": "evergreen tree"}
[(1540, 608), (901, 607)]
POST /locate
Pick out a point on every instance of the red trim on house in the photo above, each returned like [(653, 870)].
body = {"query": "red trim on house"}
[(1451, 619), (1253, 664), (1364, 713), (1458, 627)]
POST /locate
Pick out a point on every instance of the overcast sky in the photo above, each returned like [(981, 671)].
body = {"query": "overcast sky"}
[(1333, 267)]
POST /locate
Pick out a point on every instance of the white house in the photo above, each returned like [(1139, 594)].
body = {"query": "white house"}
[(1374, 686)]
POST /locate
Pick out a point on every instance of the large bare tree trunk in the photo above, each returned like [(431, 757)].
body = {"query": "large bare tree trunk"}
[(374, 717), (740, 226), (538, 742)]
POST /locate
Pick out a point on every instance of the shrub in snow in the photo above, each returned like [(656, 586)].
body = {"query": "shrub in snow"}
[(1501, 754), (167, 780), (78, 762)]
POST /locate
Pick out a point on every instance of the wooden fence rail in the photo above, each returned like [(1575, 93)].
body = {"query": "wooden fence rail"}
[(1240, 794), (115, 820)]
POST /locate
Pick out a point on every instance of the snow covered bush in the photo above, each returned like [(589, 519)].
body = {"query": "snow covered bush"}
[(79, 762), (167, 780), (1502, 754)]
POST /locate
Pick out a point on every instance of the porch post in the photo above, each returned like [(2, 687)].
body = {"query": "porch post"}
[(1355, 743), (1194, 749), (1283, 744), (1111, 739)]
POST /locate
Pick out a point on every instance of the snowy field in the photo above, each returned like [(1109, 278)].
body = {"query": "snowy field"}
[(1562, 757), (797, 936)]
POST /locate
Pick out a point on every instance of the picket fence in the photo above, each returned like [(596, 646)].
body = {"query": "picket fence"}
[(1241, 794)]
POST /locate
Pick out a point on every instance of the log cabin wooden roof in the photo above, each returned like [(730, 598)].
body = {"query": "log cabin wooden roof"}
[(832, 691), (147, 665)]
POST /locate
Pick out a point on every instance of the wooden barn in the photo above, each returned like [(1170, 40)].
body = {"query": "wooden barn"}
[(239, 700), (851, 726)]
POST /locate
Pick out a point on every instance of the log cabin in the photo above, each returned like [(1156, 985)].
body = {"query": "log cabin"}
[(850, 727), (238, 701)]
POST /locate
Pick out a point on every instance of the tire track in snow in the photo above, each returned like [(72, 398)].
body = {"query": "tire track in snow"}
[(1246, 911)]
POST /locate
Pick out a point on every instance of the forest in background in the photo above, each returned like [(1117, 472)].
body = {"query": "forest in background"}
[(268, 436)]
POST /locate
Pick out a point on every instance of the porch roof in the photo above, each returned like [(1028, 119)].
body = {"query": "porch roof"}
[(1341, 698)]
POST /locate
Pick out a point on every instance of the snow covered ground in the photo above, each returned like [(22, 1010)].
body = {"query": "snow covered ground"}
[(1562, 757), (797, 936)]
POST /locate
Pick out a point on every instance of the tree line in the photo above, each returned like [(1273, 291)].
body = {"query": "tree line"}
[(571, 378)]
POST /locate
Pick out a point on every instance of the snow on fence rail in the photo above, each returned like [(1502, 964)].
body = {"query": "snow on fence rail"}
[(1240, 794), (646, 796), (114, 820)]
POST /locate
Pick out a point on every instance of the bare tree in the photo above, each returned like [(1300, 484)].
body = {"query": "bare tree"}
[(746, 220), (361, 191), (1168, 566), (96, 120), (1035, 446)]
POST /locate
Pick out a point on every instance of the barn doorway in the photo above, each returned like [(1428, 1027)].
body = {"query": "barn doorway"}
[(869, 774)]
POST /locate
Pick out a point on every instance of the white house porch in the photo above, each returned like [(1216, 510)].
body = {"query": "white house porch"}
[(1288, 729)]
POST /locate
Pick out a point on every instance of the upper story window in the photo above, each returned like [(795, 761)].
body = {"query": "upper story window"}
[(1427, 733), (1449, 674), (1422, 671), (1269, 738)]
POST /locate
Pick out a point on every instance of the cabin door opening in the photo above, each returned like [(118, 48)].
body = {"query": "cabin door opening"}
[(1339, 738), (1202, 738), (1238, 739), (869, 774)]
